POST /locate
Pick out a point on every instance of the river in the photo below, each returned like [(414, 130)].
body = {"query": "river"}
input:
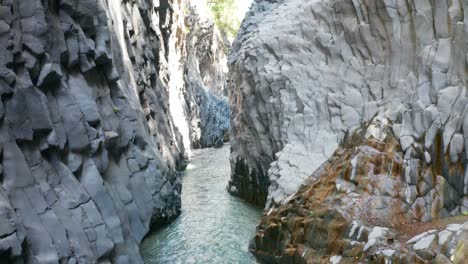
[(214, 227)]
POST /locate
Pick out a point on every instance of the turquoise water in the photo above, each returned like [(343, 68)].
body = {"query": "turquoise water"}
[(214, 227)]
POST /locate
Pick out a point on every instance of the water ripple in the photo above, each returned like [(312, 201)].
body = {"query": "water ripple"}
[(214, 227)]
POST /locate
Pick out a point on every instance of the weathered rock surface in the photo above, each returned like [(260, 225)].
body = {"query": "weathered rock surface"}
[(307, 73), (358, 208), (365, 104), (89, 148)]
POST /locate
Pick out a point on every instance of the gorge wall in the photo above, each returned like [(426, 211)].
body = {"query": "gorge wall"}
[(308, 73), (91, 113), (363, 104), (205, 77)]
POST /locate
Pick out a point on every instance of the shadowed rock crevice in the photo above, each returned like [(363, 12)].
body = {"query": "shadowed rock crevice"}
[(244, 184)]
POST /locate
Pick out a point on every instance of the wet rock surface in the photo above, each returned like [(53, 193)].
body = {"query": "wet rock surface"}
[(89, 148)]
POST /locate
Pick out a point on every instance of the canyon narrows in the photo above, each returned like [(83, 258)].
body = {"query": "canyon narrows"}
[(347, 122), (214, 226)]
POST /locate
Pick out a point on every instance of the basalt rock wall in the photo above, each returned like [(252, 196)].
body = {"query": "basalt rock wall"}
[(89, 146), (359, 208), (205, 78), (306, 74), (350, 120)]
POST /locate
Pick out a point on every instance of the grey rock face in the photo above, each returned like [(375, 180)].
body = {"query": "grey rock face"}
[(205, 76), (359, 208), (306, 74), (89, 151)]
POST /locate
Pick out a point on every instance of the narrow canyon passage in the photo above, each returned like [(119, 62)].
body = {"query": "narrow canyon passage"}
[(347, 123), (214, 227)]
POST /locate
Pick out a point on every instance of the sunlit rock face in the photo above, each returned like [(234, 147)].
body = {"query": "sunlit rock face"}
[(88, 147), (305, 74), (363, 103), (358, 207)]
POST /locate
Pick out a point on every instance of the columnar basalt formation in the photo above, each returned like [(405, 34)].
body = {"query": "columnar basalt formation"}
[(358, 207), (205, 68), (308, 73), (196, 75), (88, 148), (364, 103)]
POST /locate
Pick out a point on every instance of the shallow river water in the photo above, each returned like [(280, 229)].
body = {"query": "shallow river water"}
[(214, 227)]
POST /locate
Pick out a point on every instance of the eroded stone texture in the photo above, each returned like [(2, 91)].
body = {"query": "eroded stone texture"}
[(360, 208), (363, 102), (308, 73), (88, 148)]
